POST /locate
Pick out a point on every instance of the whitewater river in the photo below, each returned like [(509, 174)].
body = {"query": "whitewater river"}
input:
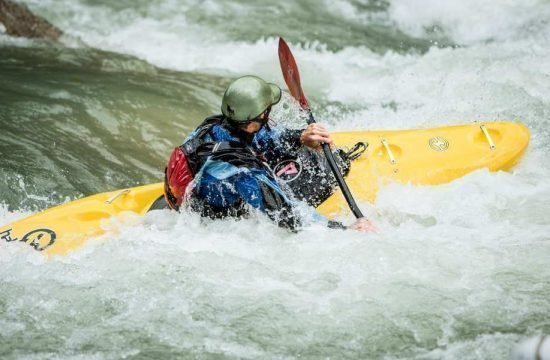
[(457, 271)]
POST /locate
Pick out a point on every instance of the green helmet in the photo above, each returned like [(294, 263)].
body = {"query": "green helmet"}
[(248, 97)]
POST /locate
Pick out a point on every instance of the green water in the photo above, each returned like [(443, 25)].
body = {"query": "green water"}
[(77, 122)]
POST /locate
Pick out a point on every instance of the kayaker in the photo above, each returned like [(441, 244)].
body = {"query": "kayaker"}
[(221, 168)]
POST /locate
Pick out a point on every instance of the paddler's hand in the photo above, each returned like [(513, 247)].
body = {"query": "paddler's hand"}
[(314, 135), (363, 225)]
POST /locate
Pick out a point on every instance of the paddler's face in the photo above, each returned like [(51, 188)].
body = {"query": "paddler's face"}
[(255, 125)]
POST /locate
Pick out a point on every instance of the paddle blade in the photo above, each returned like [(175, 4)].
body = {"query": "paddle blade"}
[(291, 74)]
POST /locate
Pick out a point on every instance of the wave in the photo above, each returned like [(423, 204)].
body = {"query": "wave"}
[(471, 21)]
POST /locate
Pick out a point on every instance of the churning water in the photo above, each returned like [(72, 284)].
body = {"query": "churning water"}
[(457, 271)]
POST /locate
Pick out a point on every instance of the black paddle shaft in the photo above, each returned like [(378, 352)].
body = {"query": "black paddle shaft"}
[(337, 174)]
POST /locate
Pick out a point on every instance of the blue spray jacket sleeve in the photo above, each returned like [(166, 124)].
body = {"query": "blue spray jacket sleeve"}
[(223, 185), (214, 183), (276, 144)]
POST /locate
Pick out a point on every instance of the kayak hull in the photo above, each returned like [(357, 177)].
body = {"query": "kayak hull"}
[(424, 157)]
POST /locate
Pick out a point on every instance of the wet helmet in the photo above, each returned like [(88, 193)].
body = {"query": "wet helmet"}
[(248, 97)]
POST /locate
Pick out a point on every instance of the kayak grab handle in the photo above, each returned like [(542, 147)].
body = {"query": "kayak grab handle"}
[(488, 136), (117, 195), (388, 150)]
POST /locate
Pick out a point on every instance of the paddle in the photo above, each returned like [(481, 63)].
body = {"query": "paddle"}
[(292, 80)]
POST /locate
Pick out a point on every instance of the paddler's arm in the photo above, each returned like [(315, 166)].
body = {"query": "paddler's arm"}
[(279, 144), (313, 136), (276, 144)]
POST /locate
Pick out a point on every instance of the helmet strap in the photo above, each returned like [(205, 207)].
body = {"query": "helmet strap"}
[(263, 118)]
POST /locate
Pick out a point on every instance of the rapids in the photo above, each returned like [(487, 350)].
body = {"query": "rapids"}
[(456, 271)]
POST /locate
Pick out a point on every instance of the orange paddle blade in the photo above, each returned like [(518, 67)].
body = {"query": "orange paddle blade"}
[(291, 74)]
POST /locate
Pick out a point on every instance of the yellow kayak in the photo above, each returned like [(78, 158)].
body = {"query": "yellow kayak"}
[(426, 156)]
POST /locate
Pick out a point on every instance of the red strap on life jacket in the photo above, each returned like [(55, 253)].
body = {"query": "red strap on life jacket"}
[(178, 175)]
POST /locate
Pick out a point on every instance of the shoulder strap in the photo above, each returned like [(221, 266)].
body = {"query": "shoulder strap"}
[(197, 149), (208, 123), (236, 154)]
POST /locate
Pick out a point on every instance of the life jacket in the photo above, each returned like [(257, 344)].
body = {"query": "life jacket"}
[(187, 159), (184, 163)]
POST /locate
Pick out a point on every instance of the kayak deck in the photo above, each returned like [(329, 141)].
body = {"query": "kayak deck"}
[(427, 156), (65, 227)]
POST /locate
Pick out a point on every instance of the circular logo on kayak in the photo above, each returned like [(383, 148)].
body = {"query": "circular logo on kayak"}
[(288, 170), (40, 239), (439, 143)]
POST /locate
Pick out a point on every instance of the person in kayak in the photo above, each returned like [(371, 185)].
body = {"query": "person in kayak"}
[(222, 168)]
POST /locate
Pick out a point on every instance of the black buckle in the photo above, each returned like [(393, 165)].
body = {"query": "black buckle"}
[(357, 150)]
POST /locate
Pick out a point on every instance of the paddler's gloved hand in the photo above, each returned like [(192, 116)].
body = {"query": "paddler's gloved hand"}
[(363, 225), (314, 135)]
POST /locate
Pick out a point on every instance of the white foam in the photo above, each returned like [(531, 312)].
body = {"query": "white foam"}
[(444, 254), (470, 21), (7, 216)]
